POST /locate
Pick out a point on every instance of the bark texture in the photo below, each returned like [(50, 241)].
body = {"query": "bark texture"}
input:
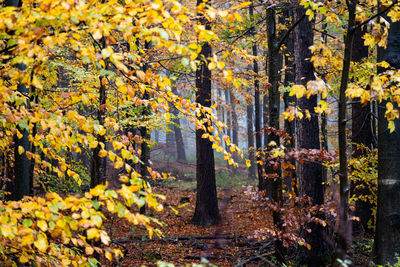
[(361, 135), (206, 212), (387, 233), (310, 173)]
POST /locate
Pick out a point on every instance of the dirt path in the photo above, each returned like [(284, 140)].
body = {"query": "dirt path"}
[(226, 244)]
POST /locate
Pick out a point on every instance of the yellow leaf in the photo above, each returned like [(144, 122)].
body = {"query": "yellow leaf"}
[(391, 126), (23, 259), (92, 233), (89, 250), (248, 164), (105, 239), (117, 145), (238, 17), (107, 52), (211, 66), (111, 155), (42, 225), (93, 144), (118, 164), (298, 90), (41, 242), (21, 150), (108, 256), (102, 153)]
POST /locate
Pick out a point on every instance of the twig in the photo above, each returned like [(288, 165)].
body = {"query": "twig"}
[(374, 16), (289, 31), (175, 239), (262, 256)]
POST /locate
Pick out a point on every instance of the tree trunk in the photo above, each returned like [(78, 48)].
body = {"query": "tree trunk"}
[(387, 235), (98, 166), (257, 110), (290, 127), (309, 174), (235, 126), (22, 182), (344, 232), (206, 212), (145, 133), (180, 146), (250, 110), (361, 135), (273, 182)]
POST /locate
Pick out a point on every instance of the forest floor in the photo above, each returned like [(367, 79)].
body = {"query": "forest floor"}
[(229, 243)]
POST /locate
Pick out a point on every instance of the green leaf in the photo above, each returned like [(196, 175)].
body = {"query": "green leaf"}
[(27, 223)]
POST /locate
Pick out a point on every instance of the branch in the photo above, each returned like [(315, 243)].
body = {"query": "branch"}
[(374, 16), (289, 31), (324, 33), (7, 48)]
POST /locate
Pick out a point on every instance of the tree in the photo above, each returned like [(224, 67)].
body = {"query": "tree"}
[(180, 146), (386, 245), (361, 135), (273, 182), (344, 240), (257, 112), (22, 166), (206, 212), (309, 173)]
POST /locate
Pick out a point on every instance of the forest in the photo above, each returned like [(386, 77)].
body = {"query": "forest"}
[(199, 133)]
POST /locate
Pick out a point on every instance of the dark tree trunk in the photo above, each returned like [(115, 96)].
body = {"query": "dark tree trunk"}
[(309, 174), (250, 110), (22, 166), (235, 126), (290, 128), (273, 182), (344, 232), (257, 110), (361, 135), (180, 146), (387, 235), (228, 118), (98, 166), (206, 212), (145, 133), (170, 141), (250, 141)]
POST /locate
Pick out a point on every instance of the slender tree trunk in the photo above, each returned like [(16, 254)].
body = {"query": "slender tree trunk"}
[(274, 182), (206, 212), (250, 111), (310, 173), (257, 110), (361, 135), (145, 133), (180, 146), (98, 166), (250, 141), (387, 235), (235, 126), (228, 118), (22, 180), (344, 234), (290, 126)]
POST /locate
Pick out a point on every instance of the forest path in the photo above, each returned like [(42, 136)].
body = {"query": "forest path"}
[(229, 243)]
